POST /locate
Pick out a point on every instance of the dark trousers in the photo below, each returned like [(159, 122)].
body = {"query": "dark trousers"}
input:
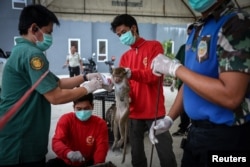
[(204, 138), (30, 164), (57, 162), (74, 71), (136, 138), (184, 122)]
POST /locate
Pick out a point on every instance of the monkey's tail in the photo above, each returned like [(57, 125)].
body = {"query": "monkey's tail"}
[(125, 143)]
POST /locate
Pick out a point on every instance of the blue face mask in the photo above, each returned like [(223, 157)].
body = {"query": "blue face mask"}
[(201, 5), (83, 115), (127, 38), (46, 43)]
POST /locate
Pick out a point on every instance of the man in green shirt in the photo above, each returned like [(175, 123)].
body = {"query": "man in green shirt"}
[(24, 139)]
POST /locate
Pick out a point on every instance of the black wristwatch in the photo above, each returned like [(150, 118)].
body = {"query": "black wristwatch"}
[(85, 77)]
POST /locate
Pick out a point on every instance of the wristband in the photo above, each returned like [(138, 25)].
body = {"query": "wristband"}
[(85, 77)]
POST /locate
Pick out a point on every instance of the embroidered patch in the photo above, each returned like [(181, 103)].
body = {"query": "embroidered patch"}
[(90, 140), (36, 63), (203, 49)]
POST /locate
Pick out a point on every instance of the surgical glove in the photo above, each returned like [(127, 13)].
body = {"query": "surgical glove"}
[(92, 85), (91, 76), (109, 87), (75, 156), (158, 127), (162, 64), (128, 71)]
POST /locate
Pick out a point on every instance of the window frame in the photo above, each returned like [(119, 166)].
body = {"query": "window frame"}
[(102, 53), (78, 47), (19, 2)]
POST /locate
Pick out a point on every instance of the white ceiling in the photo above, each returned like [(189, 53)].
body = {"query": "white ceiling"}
[(146, 11)]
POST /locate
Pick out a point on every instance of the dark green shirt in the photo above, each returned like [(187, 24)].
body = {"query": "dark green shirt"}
[(25, 137)]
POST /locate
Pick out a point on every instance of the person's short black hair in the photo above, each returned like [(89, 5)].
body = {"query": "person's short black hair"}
[(89, 97), (35, 14), (124, 19), (190, 27)]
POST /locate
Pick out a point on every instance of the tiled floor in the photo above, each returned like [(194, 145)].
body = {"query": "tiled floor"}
[(116, 157)]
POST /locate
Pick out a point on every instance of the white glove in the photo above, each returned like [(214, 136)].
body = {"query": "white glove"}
[(75, 156), (92, 85), (128, 71), (161, 126), (162, 64), (109, 87), (91, 76), (173, 85)]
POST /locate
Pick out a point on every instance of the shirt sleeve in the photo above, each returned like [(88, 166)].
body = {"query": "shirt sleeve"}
[(145, 75), (102, 144), (60, 137), (37, 66), (233, 45)]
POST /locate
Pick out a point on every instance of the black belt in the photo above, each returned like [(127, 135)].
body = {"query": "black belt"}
[(74, 67), (207, 124)]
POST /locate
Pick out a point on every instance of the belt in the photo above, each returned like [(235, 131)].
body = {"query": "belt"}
[(207, 124), (74, 67)]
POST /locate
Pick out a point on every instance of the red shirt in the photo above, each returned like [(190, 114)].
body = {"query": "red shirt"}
[(89, 137), (143, 84)]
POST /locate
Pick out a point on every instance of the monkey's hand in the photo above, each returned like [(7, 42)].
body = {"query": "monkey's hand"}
[(158, 127), (109, 87)]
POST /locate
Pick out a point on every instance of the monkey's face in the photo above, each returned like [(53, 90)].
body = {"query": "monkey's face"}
[(118, 74), (117, 78)]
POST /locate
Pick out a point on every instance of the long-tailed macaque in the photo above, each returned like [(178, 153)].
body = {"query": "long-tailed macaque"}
[(120, 81)]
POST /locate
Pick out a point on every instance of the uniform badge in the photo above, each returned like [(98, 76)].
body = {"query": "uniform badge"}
[(202, 49), (90, 140), (36, 63)]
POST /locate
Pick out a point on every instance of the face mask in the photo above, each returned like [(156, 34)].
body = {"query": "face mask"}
[(46, 43), (201, 5), (83, 115), (127, 38)]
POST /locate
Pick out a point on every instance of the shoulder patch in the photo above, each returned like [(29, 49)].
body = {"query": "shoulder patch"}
[(36, 63)]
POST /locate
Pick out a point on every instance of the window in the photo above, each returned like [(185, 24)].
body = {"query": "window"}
[(19, 4), (75, 42), (102, 50)]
